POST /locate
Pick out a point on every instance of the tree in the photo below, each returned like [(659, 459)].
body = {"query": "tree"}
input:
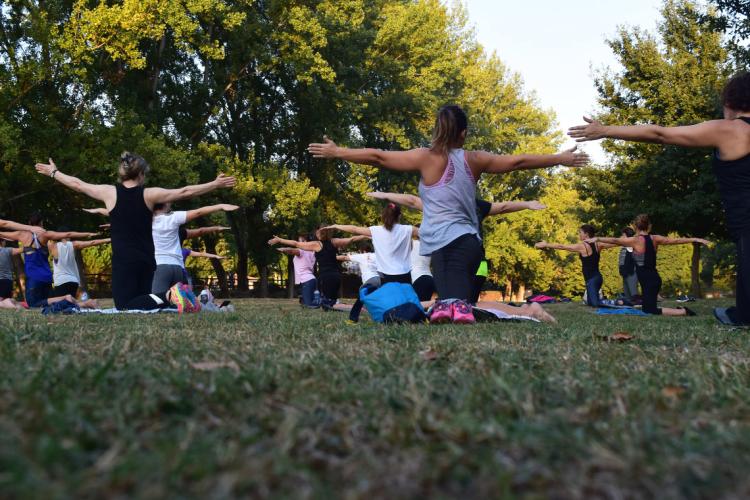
[(674, 79)]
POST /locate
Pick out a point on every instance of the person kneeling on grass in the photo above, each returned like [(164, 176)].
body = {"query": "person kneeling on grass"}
[(304, 272), (65, 276), (6, 276), (368, 270), (644, 247)]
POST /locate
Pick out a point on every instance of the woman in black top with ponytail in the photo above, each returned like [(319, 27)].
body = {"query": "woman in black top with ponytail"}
[(589, 254), (730, 139), (130, 206), (644, 247)]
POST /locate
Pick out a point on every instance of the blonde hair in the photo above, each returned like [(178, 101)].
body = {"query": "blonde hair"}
[(132, 166)]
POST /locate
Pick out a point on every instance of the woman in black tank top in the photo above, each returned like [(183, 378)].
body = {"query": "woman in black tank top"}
[(589, 255), (730, 138), (329, 268), (644, 252), (130, 208)]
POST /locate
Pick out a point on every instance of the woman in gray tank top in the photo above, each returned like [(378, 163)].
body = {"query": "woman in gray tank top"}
[(448, 190)]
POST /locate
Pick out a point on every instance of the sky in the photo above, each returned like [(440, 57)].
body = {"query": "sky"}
[(556, 46)]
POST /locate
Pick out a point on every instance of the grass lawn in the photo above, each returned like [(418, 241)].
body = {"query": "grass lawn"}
[(277, 401)]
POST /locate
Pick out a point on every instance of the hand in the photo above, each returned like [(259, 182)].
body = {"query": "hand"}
[(570, 158), (536, 205), (274, 241), (105, 226), (332, 227), (229, 208), (223, 228), (224, 182), (326, 149), (541, 245), (592, 131), (703, 242), (377, 195), (46, 168), (218, 257)]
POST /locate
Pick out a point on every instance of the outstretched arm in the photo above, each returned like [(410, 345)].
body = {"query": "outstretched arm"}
[(12, 235), (507, 207), (712, 133), (97, 211), (406, 200), (575, 248), (345, 242), (69, 235), (411, 160), (498, 164), (289, 251), (200, 212), (206, 255), (664, 240), (621, 242), (15, 226), (161, 195), (311, 246), (347, 228), (202, 231), (80, 245), (101, 192)]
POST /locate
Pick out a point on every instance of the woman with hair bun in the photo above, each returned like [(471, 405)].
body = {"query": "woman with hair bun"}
[(449, 229), (644, 246), (130, 206)]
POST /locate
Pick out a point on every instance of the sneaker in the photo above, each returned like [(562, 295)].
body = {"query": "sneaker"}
[(181, 296), (177, 297), (193, 304), (463, 313), (723, 316), (442, 312), (688, 311)]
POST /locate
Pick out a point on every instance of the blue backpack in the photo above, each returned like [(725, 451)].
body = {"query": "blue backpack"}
[(393, 303)]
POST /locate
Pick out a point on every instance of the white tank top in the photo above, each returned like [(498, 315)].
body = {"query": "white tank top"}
[(420, 264), (65, 266)]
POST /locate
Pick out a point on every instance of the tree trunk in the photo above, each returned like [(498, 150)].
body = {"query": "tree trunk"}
[(508, 295), (263, 281), (695, 270), (290, 276), (221, 274), (521, 293), (242, 271), (84, 285)]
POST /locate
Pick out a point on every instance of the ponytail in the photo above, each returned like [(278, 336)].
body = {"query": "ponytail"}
[(391, 215), (450, 125)]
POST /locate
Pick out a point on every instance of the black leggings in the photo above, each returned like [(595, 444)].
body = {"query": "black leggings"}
[(425, 287), (454, 267), (478, 283), (650, 285), (741, 312), (70, 288), (395, 278), (131, 281), (329, 285)]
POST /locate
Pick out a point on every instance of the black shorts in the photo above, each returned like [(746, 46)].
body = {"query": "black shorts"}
[(6, 289)]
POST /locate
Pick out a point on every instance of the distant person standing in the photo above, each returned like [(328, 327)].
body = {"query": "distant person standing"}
[(626, 265)]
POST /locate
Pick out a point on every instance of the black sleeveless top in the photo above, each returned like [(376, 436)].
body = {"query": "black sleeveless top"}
[(132, 241), (733, 178), (590, 263), (647, 260), (326, 259)]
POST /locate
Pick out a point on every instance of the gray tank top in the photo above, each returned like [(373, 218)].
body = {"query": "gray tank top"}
[(449, 207)]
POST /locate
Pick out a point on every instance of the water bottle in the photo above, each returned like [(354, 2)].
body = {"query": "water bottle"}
[(84, 296), (316, 298), (204, 296)]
